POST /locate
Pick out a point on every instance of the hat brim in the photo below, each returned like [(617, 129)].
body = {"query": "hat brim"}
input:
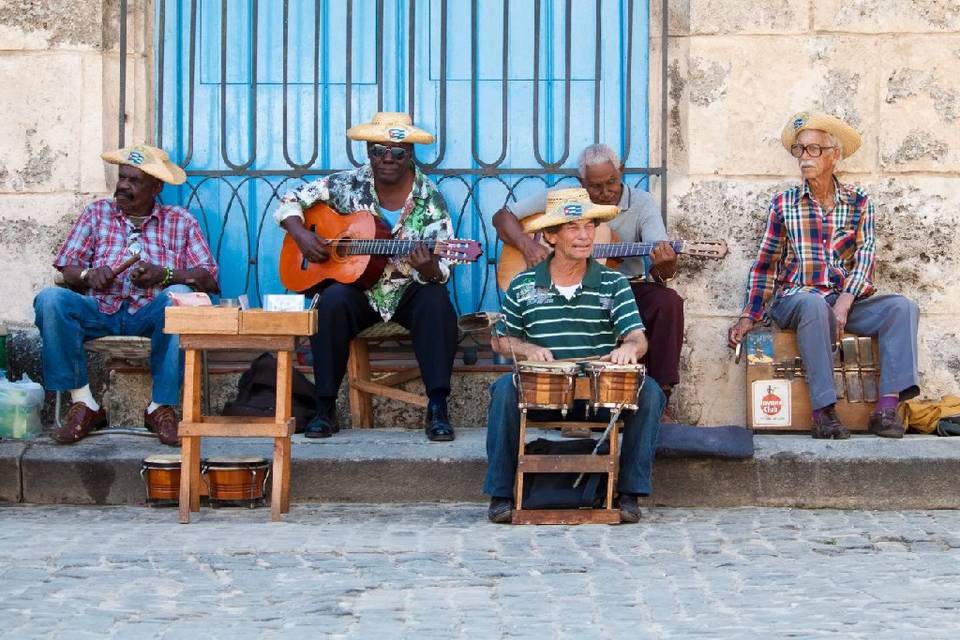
[(165, 171), (369, 132), (598, 212), (849, 138)]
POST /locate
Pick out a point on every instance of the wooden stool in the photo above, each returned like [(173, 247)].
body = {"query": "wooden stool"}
[(608, 464), (203, 328), (363, 387)]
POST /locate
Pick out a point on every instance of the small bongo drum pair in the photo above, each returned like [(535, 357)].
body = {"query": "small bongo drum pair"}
[(239, 482), (552, 385)]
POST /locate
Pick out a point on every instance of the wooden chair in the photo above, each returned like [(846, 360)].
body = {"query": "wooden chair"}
[(362, 385)]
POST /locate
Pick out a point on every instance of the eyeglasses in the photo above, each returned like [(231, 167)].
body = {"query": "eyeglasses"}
[(379, 151), (813, 150)]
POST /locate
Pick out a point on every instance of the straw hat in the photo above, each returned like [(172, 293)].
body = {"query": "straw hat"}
[(388, 126), (847, 135), (568, 205), (150, 160)]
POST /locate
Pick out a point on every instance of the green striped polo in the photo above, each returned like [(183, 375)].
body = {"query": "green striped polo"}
[(601, 311)]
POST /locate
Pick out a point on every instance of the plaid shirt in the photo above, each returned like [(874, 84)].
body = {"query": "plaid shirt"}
[(805, 250), (169, 237)]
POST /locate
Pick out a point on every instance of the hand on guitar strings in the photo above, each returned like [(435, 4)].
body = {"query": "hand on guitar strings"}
[(423, 260), (664, 260), (146, 275), (313, 247)]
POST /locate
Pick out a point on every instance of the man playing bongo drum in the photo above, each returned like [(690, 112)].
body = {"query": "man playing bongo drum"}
[(570, 307)]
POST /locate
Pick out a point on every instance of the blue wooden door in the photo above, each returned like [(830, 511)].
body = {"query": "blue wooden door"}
[(254, 97)]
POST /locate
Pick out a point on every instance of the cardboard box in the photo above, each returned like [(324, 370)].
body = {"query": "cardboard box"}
[(773, 355), (202, 320), (278, 323)]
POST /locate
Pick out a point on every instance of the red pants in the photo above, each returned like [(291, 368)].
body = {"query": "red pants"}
[(661, 310)]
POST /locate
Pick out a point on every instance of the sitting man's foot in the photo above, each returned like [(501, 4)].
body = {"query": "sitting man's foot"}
[(886, 424), (629, 508), (323, 425), (163, 422), (500, 510), (78, 423), (827, 426), (438, 425)]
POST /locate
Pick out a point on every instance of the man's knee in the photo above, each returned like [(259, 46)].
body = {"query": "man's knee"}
[(811, 306), (337, 298), (51, 299), (905, 308)]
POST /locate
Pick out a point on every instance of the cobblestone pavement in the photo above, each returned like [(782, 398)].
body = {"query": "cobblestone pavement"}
[(441, 571)]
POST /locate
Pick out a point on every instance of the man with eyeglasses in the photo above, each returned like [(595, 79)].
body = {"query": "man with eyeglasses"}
[(814, 273), (103, 300), (412, 290), (639, 220)]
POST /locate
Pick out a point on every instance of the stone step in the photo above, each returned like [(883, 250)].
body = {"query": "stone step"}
[(399, 465)]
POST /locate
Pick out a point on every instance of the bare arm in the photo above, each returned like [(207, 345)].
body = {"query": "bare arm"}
[(631, 350), (519, 350), (511, 232)]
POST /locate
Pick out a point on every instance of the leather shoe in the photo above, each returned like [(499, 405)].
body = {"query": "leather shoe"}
[(163, 422), (500, 510), (827, 426), (78, 423), (321, 427), (886, 424), (629, 508), (438, 425)]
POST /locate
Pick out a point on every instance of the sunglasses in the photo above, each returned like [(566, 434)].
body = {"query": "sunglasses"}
[(379, 151)]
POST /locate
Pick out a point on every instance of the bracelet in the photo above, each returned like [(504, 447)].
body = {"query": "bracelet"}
[(659, 279), (167, 276)]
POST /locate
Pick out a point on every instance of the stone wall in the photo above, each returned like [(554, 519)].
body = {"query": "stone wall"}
[(737, 71)]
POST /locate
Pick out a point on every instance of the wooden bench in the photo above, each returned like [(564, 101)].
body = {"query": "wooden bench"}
[(363, 387)]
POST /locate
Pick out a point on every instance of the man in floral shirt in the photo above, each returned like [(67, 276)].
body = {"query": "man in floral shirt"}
[(412, 289)]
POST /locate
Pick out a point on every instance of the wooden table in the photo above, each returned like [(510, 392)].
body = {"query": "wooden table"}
[(217, 328)]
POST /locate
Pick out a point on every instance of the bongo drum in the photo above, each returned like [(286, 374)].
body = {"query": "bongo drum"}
[(161, 477), (614, 385), (238, 481), (546, 385)]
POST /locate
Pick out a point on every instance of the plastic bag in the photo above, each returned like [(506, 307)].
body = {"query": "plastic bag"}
[(20, 408)]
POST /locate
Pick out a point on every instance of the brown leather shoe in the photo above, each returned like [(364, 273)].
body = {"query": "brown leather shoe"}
[(163, 422), (828, 426), (886, 424), (78, 423)]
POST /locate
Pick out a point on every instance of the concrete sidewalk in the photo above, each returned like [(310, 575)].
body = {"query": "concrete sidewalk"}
[(395, 465)]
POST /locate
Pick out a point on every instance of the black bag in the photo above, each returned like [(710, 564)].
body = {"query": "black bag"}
[(257, 393), (556, 490), (949, 426)]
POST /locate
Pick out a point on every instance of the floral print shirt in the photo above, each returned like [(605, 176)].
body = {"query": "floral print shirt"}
[(424, 216)]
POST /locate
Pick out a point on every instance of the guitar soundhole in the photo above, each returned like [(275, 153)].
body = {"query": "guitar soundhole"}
[(340, 250)]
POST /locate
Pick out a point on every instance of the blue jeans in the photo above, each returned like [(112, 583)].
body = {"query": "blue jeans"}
[(640, 432), (67, 319), (892, 319)]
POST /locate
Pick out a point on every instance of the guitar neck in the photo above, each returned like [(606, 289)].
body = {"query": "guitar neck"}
[(629, 249), (383, 247)]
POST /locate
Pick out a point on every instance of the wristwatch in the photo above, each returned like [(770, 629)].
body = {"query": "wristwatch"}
[(83, 274)]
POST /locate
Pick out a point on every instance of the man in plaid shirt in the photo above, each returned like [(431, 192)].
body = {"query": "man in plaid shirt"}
[(814, 274), (173, 257)]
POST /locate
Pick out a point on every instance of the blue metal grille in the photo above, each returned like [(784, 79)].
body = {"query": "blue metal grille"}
[(254, 97)]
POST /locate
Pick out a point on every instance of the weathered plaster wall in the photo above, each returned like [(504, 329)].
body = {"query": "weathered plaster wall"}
[(737, 70)]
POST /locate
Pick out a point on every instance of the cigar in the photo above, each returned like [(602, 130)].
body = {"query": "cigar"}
[(126, 264)]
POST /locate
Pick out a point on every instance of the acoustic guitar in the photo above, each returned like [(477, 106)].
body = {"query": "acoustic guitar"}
[(606, 249), (360, 245)]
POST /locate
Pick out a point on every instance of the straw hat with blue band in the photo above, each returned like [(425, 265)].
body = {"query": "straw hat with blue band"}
[(569, 205), (390, 127), (150, 160), (847, 135)]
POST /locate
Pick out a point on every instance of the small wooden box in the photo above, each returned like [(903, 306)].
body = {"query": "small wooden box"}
[(773, 355), (202, 320), (278, 323)]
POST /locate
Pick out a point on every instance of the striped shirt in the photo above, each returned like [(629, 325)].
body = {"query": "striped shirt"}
[(602, 311), (804, 249), (168, 237)]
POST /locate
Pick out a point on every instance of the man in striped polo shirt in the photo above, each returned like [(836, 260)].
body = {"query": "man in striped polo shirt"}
[(570, 307)]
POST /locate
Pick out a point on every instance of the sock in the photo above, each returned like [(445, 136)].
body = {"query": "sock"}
[(153, 406), (818, 412), (886, 402), (84, 395)]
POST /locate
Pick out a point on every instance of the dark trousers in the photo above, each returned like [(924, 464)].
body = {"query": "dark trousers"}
[(661, 310), (425, 310)]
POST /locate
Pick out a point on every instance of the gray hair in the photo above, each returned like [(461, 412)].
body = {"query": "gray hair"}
[(597, 154)]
